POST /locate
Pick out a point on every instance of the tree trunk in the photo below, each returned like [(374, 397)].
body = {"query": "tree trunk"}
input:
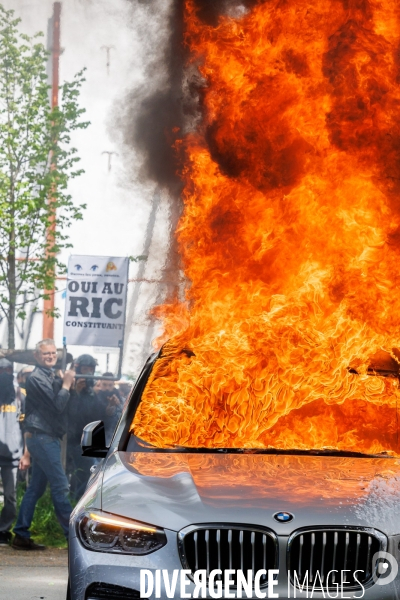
[(11, 325), (12, 294)]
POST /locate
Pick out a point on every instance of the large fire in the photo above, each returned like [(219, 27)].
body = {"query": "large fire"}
[(290, 235)]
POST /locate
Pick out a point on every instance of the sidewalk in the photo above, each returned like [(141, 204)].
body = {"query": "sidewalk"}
[(33, 575)]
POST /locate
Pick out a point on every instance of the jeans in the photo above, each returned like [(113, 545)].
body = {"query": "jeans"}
[(45, 452), (9, 512)]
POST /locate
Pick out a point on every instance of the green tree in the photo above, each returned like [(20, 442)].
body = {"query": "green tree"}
[(36, 162)]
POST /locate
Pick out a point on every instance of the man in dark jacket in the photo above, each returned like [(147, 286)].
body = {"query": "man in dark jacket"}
[(112, 404), (83, 408), (47, 398), (11, 444)]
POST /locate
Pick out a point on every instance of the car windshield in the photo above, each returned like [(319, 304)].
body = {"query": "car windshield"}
[(174, 415)]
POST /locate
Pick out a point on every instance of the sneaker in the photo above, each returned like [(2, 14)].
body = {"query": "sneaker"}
[(22, 543), (5, 538)]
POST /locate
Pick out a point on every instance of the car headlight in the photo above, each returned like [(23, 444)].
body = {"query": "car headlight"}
[(104, 532)]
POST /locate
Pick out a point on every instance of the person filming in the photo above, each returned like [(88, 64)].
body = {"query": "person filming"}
[(83, 408), (47, 397), (112, 404)]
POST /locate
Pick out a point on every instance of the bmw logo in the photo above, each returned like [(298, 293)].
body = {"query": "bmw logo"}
[(283, 517)]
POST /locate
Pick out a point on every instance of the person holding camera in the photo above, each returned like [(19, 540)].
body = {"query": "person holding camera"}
[(46, 410), (83, 409), (112, 405)]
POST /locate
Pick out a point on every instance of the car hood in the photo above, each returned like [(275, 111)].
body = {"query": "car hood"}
[(174, 490)]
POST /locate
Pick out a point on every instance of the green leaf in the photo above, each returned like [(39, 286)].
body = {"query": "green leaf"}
[(37, 162)]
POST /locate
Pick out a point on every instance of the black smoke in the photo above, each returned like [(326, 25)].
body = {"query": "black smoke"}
[(154, 115), (150, 117)]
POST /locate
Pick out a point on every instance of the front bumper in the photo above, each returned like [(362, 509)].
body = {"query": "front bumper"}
[(87, 568)]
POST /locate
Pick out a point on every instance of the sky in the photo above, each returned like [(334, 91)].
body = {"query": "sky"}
[(126, 213)]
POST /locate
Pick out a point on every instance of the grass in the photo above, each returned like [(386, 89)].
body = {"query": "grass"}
[(45, 528)]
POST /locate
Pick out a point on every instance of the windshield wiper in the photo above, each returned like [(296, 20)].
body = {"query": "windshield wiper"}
[(290, 452), (319, 452), (140, 444)]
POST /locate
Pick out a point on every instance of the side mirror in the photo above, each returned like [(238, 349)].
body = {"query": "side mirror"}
[(93, 441)]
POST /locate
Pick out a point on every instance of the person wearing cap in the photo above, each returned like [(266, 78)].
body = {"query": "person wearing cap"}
[(112, 404), (25, 461), (47, 397), (11, 445), (83, 409), (22, 376), (124, 388)]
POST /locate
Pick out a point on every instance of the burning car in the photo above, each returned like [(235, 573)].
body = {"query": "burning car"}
[(264, 436), (324, 522)]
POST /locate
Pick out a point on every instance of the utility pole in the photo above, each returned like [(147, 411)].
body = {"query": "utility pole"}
[(48, 306), (108, 51), (109, 158), (139, 279)]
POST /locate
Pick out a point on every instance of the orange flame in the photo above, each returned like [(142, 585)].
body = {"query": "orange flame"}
[(290, 234)]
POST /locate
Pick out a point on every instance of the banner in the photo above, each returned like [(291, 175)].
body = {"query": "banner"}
[(96, 301)]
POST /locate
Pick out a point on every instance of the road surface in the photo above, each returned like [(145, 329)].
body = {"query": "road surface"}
[(33, 575)]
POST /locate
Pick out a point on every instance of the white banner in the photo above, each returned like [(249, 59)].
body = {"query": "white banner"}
[(96, 301)]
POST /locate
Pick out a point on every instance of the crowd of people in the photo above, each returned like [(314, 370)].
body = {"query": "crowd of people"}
[(35, 415)]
